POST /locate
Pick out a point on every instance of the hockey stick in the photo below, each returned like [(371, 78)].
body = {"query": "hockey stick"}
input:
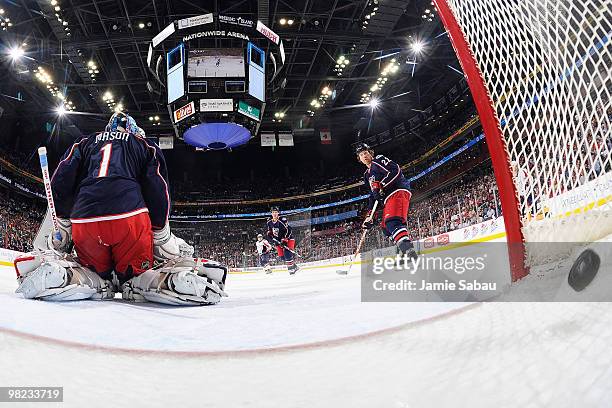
[(360, 244), (280, 244), (291, 250), (44, 166)]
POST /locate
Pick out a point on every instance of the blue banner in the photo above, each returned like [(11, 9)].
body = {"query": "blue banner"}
[(266, 213), (324, 220), (449, 157), (329, 205)]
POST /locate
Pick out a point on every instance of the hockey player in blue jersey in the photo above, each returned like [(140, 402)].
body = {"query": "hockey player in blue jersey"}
[(112, 201), (280, 234), (388, 186)]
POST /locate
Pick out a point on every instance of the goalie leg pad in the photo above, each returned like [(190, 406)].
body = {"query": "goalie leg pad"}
[(47, 276), (179, 282)]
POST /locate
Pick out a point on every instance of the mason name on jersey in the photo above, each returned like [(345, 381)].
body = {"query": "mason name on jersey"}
[(109, 136)]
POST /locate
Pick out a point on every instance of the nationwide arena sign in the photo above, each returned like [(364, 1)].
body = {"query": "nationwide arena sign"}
[(215, 33)]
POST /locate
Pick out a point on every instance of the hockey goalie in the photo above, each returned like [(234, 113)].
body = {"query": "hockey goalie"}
[(111, 197)]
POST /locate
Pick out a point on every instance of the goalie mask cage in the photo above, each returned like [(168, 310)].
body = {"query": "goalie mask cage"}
[(540, 76)]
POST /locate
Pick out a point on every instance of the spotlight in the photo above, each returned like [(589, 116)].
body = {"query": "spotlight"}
[(374, 103), (60, 110), (16, 53), (417, 47), (283, 21), (290, 22), (141, 25)]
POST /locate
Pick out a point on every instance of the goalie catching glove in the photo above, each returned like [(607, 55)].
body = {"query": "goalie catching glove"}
[(61, 240), (168, 246)]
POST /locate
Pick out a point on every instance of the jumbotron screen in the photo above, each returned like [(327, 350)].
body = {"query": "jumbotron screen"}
[(216, 63)]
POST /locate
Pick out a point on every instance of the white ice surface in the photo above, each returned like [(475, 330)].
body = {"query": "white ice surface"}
[(262, 311), (488, 355)]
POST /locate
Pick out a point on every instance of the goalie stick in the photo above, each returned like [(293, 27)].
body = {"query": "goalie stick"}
[(44, 167), (360, 244)]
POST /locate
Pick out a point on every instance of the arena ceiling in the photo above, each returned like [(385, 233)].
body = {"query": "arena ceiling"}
[(65, 37)]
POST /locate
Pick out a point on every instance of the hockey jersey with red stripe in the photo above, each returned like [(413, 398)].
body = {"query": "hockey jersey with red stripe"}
[(384, 176), (111, 175)]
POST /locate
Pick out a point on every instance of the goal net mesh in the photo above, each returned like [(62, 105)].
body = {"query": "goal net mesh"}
[(547, 66)]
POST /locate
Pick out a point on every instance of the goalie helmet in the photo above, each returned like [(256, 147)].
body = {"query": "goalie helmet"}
[(122, 122)]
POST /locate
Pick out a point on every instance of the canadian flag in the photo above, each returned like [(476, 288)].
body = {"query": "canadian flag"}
[(325, 136)]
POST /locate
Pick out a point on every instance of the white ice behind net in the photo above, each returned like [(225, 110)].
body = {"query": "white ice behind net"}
[(547, 65)]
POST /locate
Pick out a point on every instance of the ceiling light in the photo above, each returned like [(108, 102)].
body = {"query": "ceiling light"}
[(283, 21), (373, 103), (141, 25), (417, 47), (16, 53), (290, 22), (60, 110)]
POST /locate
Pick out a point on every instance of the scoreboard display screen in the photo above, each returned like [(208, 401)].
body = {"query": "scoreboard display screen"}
[(216, 63)]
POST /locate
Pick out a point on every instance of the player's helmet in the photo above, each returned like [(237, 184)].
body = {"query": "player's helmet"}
[(123, 122), (259, 237), (274, 209), (362, 147)]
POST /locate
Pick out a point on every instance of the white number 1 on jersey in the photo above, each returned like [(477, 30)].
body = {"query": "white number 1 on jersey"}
[(106, 155)]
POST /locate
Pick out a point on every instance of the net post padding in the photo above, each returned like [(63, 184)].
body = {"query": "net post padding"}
[(494, 138)]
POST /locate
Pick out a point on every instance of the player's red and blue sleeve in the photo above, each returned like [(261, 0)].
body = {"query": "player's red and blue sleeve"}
[(374, 193), (154, 185), (393, 172), (287, 228), (65, 180)]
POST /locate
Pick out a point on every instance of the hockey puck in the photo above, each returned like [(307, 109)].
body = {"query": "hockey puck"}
[(583, 270), (342, 272)]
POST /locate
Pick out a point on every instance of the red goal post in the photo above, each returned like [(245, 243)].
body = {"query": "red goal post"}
[(539, 74)]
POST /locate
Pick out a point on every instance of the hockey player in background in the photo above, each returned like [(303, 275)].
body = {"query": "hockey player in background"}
[(112, 201), (279, 233), (388, 186), (263, 250)]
